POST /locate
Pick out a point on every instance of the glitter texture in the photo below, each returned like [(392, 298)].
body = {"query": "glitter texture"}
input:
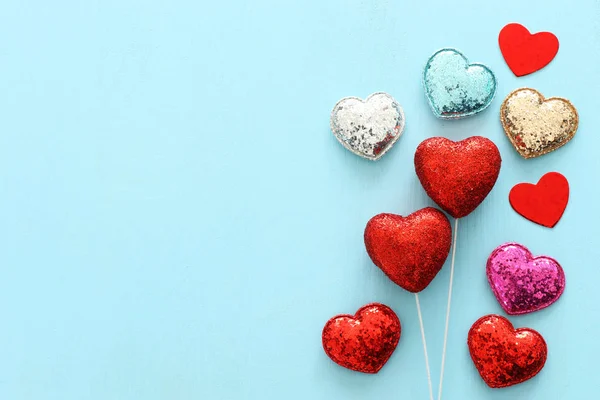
[(535, 125), (543, 203), (523, 283), (365, 341), (505, 356), (457, 175), (368, 128), (412, 250), (455, 88)]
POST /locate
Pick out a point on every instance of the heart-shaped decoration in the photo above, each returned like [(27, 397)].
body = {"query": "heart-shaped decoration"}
[(543, 203), (526, 53), (409, 250), (368, 128), (457, 175), (503, 355), (365, 341), (523, 283), (454, 87), (536, 125)]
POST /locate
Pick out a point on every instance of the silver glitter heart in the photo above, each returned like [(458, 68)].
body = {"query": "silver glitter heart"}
[(370, 127)]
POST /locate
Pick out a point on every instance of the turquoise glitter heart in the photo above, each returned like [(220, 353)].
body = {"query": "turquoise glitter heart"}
[(455, 88)]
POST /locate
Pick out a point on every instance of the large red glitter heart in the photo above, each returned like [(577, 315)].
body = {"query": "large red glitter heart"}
[(412, 250), (526, 53), (365, 341), (458, 175), (503, 355), (543, 203)]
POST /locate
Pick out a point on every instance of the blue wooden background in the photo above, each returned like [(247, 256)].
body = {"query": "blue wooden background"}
[(178, 222)]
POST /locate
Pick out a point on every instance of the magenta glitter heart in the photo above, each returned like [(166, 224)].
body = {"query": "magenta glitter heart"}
[(523, 283)]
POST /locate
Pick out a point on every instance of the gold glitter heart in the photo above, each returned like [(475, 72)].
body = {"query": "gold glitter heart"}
[(536, 125)]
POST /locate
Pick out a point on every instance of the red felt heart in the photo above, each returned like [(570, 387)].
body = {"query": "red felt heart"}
[(458, 175), (543, 203), (365, 341), (503, 355), (526, 53), (412, 250)]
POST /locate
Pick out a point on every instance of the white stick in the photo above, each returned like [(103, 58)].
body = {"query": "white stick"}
[(424, 347), (448, 308)]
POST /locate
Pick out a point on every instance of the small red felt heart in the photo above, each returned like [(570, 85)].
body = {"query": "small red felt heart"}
[(365, 341), (543, 203), (526, 53), (457, 175), (412, 250), (503, 355)]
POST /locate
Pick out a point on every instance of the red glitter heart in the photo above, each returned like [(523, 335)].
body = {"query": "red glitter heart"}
[(503, 355), (543, 203), (365, 341), (458, 175), (412, 250), (526, 53)]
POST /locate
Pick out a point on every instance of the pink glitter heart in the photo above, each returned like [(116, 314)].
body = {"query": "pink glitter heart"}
[(523, 283)]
